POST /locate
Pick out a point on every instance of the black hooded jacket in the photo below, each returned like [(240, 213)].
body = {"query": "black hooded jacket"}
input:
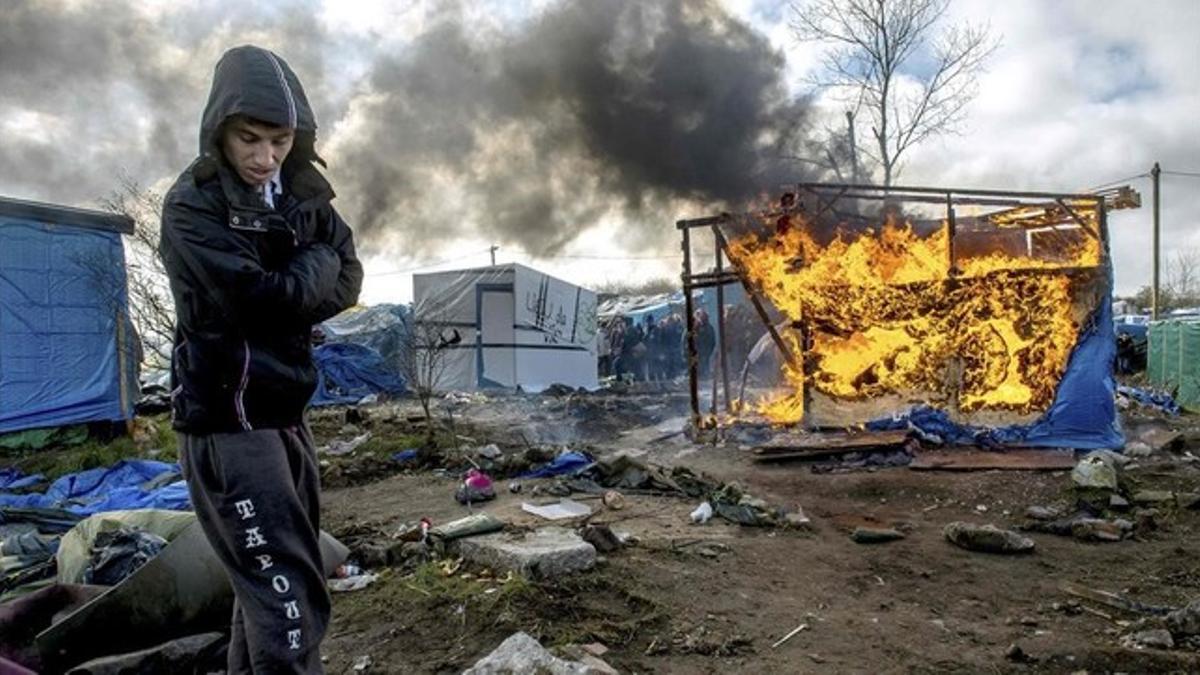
[(250, 281)]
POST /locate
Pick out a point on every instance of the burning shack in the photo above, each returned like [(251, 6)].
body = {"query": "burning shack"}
[(988, 311)]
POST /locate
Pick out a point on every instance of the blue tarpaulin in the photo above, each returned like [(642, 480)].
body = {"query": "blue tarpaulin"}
[(15, 479), (118, 487), (565, 463), (67, 350), (1083, 415), (349, 372)]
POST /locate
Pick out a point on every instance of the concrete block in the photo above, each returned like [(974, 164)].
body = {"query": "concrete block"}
[(548, 552)]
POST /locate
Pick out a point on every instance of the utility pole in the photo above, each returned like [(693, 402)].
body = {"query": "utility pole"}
[(495, 248), (1154, 297)]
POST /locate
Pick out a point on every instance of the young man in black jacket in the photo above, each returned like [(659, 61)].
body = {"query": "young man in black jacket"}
[(256, 255)]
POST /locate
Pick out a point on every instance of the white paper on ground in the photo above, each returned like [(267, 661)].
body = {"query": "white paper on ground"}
[(565, 508)]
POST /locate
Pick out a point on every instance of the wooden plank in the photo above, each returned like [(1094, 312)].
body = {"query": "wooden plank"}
[(1018, 459), (849, 441), (821, 445)]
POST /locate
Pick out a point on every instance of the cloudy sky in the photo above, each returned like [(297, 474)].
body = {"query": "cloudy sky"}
[(573, 133)]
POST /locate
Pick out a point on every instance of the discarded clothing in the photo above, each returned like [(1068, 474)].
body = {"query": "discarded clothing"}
[(29, 544), (350, 372), (75, 549), (116, 554)]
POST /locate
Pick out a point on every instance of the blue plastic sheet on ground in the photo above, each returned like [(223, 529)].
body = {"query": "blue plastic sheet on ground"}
[(565, 464), (1154, 399), (14, 479), (350, 372), (114, 488), (1083, 415), (404, 455)]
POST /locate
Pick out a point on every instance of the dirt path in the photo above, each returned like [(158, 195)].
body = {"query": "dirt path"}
[(714, 598)]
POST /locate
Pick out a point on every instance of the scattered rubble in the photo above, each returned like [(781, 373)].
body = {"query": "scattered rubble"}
[(986, 538), (1158, 638)]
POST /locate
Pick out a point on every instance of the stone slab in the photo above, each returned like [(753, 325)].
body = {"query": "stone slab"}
[(547, 552)]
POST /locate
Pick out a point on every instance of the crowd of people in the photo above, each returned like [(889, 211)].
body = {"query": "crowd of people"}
[(655, 350)]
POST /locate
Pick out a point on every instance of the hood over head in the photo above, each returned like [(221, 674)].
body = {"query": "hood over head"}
[(257, 83)]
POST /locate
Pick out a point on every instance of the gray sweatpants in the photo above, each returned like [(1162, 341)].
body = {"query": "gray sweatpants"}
[(256, 495)]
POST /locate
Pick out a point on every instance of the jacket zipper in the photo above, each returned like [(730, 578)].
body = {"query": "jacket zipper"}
[(238, 405), (287, 90)]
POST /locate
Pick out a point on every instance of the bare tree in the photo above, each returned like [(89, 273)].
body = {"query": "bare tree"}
[(150, 304), (426, 356), (898, 76), (1183, 278)]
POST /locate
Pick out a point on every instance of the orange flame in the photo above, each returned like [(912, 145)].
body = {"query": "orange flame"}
[(885, 315)]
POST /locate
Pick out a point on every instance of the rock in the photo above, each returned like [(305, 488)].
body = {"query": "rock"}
[(1029, 621), (1095, 472), (595, 649), (1016, 654), (1118, 503), (601, 537), (1159, 439), (1098, 529), (1153, 497), (1042, 513), (712, 550), (613, 500), (597, 665), (363, 663), (797, 520), (875, 535), (489, 451), (986, 538), (1138, 449), (1147, 519), (1185, 622), (548, 552), (1188, 500), (1159, 638), (371, 554), (520, 653)]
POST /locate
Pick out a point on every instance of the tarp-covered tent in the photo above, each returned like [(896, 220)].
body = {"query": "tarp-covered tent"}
[(516, 327), (1173, 360), (68, 353)]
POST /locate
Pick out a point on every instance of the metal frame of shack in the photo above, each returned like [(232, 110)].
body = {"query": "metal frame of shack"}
[(990, 309)]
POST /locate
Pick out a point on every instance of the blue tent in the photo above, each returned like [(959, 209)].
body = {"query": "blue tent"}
[(68, 353)]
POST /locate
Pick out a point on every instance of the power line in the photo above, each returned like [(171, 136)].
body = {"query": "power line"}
[(1119, 181), (1192, 174)]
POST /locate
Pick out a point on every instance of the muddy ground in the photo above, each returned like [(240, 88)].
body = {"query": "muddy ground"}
[(714, 598)]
